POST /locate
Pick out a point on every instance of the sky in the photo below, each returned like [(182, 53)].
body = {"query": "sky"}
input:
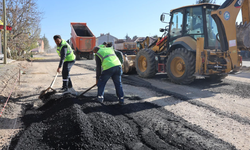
[(117, 17)]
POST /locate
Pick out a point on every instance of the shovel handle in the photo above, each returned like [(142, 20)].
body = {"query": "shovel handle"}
[(87, 90), (53, 80)]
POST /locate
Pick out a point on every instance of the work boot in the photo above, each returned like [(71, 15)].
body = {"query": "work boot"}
[(65, 87), (63, 90), (121, 101), (100, 99)]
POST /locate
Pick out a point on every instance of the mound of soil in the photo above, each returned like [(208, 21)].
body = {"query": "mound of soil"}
[(83, 123)]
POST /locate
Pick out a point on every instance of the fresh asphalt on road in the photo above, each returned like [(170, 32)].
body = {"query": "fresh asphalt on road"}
[(91, 63)]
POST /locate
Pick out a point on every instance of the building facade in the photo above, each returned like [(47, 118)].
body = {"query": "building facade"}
[(105, 38), (40, 47)]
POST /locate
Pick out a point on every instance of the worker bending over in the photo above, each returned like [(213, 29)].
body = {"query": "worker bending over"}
[(107, 59), (67, 61)]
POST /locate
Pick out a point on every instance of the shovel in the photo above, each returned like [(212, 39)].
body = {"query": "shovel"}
[(49, 88), (86, 91)]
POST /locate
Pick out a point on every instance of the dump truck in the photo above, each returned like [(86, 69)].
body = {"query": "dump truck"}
[(128, 50), (199, 40), (125, 47), (82, 40)]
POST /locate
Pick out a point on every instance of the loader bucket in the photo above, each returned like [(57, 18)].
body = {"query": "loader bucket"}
[(128, 63), (243, 35)]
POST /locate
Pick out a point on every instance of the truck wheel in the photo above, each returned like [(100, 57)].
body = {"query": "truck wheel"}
[(90, 57), (181, 66), (145, 63), (78, 57)]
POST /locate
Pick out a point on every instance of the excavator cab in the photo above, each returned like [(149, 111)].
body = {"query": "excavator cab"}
[(198, 44), (193, 21), (200, 41)]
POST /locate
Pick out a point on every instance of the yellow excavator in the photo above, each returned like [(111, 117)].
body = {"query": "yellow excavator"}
[(199, 40)]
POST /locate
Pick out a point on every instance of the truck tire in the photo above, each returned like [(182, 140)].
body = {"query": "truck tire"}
[(145, 63), (90, 56), (78, 57), (181, 66)]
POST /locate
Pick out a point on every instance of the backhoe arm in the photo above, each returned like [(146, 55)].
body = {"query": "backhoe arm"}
[(243, 30), (144, 43), (225, 18), (245, 10)]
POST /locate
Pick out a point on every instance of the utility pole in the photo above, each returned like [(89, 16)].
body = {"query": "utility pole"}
[(4, 33)]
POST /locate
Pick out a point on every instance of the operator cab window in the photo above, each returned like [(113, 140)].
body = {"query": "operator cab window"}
[(194, 22), (212, 31), (176, 24)]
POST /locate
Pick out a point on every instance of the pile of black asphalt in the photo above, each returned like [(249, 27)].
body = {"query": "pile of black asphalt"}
[(83, 123)]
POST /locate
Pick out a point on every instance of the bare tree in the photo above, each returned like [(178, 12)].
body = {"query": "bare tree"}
[(134, 38), (128, 39), (155, 36), (24, 17), (205, 1)]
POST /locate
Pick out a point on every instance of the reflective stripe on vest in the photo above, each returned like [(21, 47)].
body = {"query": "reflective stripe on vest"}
[(70, 56), (108, 58), (105, 56)]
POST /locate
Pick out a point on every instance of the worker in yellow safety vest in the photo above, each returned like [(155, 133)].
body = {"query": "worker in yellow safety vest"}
[(111, 68), (67, 60)]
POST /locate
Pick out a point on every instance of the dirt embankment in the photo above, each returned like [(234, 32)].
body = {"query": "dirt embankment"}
[(83, 123), (9, 77)]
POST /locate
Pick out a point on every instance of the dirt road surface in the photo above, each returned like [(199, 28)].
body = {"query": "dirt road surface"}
[(157, 113)]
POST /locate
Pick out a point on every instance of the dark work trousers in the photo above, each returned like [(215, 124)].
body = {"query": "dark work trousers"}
[(65, 74), (114, 73)]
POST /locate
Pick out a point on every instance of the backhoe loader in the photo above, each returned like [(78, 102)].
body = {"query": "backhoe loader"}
[(199, 40)]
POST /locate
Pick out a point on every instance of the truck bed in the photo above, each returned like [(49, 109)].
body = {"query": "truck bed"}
[(82, 30), (83, 40)]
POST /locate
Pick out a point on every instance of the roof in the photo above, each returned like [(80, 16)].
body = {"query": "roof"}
[(194, 6), (106, 35)]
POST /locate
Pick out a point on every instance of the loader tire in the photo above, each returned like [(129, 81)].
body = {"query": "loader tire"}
[(181, 66), (145, 63), (125, 65)]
